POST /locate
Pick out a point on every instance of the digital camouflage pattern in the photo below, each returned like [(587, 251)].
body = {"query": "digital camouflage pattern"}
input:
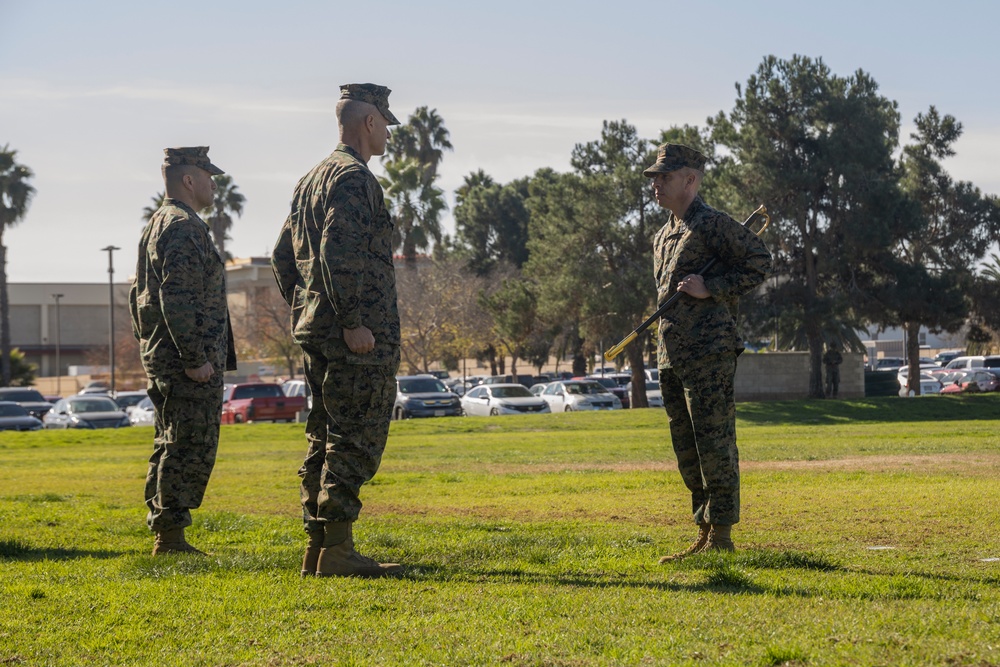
[(832, 360), (178, 297), (181, 319), (196, 156), (671, 157), (333, 258), (697, 350), (185, 442), (699, 400), (347, 433), (372, 94), (695, 328), (333, 265)]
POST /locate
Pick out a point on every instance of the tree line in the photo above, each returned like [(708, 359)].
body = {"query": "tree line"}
[(867, 230)]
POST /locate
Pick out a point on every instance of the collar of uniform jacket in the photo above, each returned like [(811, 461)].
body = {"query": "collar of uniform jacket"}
[(350, 151), (696, 205), (170, 201)]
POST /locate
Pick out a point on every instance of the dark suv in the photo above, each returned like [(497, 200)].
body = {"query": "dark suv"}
[(424, 396), (28, 398)]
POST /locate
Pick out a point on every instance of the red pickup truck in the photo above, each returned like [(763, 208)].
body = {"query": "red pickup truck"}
[(259, 401)]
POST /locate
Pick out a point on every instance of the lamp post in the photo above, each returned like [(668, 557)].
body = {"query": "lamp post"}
[(58, 346), (111, 310)]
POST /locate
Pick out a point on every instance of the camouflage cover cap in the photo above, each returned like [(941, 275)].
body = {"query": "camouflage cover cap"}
[(672, 157), (369, 92), (196, 156)]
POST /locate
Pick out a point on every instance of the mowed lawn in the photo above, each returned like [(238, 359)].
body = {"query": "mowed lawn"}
[(869, 537)]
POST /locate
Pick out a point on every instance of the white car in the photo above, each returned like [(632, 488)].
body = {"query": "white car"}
[(127, 400), (142, 413), (653, 395), (572, 395), (298, 388), (537, 389), (502, 399), (903, 373), (928, 385)]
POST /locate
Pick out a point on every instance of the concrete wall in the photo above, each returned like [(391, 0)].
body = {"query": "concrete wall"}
[(774, 376)]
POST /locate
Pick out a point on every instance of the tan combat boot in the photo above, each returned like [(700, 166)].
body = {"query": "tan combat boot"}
[(311, 558), (699, 545), (172, 541), (719, 539), (339, 559)]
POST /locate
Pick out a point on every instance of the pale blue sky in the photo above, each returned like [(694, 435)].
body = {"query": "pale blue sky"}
[(91, 92)]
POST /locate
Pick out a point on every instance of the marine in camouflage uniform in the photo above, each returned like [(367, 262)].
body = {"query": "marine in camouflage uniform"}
[(333, 264), (698, 342), (832, 360), (181, 319)]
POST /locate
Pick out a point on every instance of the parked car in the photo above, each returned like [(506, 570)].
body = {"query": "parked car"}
[(298, 388), (14, 417), (573, 395), (143, 414), (537, 389), (611, 384), (440, 375), (127, 400), (424, 396), (942, 358), (929, 384), (523, 380), (653, 395), (974, 381), (965, 363), (886, 364), (502, 399), (903, 374), (946, 376), (259, 401), (28, 398), (86, 411)]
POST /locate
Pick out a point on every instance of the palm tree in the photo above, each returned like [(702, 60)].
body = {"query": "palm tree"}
[(148, 212), (228, 200), (15, 196), (416, 206), (423, 138)]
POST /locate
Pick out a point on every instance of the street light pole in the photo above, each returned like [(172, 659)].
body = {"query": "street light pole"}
[(111, 310), (58, 346)]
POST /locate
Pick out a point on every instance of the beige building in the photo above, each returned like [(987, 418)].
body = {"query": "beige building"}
[(76, 324), (71, 318)]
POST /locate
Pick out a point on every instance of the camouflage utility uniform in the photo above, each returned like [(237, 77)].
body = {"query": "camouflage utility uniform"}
[(333, 265), (698, 346), (181, 319), (832, 360)]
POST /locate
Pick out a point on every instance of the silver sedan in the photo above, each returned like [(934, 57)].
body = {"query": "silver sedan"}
[(502, 399), (86, 411)]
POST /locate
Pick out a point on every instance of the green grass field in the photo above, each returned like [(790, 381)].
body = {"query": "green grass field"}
[(869, 537)]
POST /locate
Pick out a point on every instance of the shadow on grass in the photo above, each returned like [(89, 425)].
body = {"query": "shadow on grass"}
[(16, 550), (719, 580), (727, 574), (884, 409)]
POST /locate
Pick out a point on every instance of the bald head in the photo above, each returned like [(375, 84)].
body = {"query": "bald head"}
[(362, 127), (351, 114), (173, 177)]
